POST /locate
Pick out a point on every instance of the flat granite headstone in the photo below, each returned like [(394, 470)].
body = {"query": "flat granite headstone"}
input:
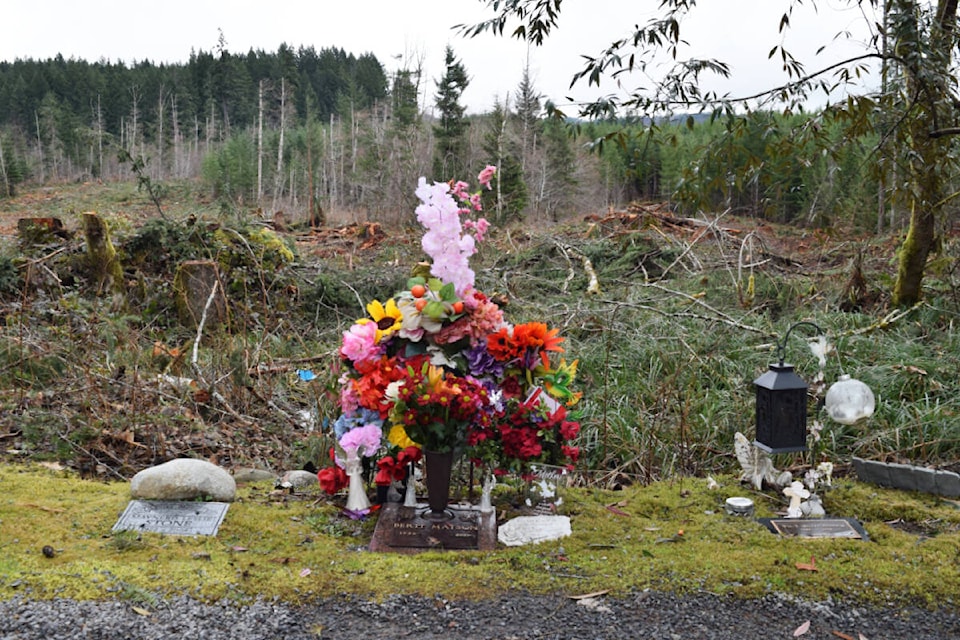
[(413, 529), (173, 517)]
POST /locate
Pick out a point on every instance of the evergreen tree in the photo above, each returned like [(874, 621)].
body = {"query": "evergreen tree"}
[(528, 116), (400, 163), (508, 196), (13, 168), (451, 131), (403, 98), (559, 169)]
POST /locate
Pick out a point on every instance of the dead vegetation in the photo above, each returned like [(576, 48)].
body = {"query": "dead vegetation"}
[(112, 380)]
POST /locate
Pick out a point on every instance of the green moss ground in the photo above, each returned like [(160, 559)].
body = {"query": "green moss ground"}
[(298, 548)]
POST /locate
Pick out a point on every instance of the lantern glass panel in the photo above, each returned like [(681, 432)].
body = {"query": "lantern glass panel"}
[(781, 410)]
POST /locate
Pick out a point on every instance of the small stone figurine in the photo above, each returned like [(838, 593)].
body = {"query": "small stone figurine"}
[(797, 493)]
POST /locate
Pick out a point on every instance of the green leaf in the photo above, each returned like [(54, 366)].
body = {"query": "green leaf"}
[(434, 310), (448, 293)]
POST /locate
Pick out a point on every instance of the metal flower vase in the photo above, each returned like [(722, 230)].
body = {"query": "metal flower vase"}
[(438, 466)]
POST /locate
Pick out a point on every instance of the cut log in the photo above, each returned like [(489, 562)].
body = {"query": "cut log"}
[(37, 231), (194, 285)]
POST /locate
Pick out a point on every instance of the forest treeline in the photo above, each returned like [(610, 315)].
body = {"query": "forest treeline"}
[(310, 131)]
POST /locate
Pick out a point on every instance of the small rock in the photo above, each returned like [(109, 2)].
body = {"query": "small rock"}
[(184, 479), (812, 508), (595, 604)]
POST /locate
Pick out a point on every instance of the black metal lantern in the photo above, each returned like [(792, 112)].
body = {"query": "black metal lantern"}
[(782, 404)]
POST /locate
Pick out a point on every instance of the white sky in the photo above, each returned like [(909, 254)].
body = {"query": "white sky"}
[(739, 32)]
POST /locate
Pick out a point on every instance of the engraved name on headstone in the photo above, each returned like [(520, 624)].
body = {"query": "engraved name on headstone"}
[(818, 528), (460, 532), (173, 517)]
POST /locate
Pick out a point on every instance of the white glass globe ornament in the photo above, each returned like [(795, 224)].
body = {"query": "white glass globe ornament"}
[(849, 400)]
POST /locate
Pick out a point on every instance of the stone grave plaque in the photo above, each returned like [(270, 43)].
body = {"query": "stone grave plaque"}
[(172, 517), (816, 527), (412, 529)]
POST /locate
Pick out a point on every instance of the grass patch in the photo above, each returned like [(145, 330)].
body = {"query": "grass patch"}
[(300, 548), (668, 351)]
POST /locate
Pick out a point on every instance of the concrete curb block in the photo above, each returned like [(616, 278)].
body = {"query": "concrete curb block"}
[(908, 477)]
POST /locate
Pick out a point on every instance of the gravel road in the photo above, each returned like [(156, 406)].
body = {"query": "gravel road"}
[(510, 617)]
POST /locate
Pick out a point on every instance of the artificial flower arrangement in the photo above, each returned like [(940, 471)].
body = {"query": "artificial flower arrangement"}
[(438, 368)]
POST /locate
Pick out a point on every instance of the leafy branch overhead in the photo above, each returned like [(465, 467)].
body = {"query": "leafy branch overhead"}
[(915, 108)]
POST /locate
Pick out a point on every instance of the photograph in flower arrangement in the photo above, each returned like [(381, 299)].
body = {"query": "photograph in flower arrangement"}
[(438, 370)]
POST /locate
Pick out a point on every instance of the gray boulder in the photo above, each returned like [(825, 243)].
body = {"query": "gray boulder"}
[(298, 480), (245, 474), (184, 479)]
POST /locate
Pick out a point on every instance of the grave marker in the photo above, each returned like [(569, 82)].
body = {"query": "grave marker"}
[(179, 518)]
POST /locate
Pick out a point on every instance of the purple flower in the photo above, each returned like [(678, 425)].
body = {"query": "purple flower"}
[(350, 420), (480, 363)]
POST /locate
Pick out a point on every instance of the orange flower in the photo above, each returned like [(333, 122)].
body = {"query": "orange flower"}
[(536, 335), (501, 346)]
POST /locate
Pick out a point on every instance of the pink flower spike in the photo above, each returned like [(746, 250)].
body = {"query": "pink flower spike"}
[(460, 189), (481, 225), (487, 175)]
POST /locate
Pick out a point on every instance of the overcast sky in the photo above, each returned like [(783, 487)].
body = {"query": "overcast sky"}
[(740, 32)]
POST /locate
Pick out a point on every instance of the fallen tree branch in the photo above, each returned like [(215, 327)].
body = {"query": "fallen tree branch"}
[(883, 322), (686, 314), (593, 286), (285, 366), (203, 321), (216, 395), (723, 317)]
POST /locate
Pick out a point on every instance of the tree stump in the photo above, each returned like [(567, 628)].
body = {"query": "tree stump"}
[(102, 258), (199, 294)]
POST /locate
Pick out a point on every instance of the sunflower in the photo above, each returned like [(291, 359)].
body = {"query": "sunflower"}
[(388, 317)]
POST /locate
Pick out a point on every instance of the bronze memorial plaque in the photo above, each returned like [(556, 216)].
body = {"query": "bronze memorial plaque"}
[(817, 528), (412, 529)]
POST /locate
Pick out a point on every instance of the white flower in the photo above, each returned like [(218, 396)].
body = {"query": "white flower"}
[(820, 348), (825, 469)]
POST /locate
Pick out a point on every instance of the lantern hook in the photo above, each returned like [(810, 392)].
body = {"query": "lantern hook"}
[(782, 346)]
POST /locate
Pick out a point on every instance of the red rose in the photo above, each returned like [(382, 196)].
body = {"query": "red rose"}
[(332, 479)]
